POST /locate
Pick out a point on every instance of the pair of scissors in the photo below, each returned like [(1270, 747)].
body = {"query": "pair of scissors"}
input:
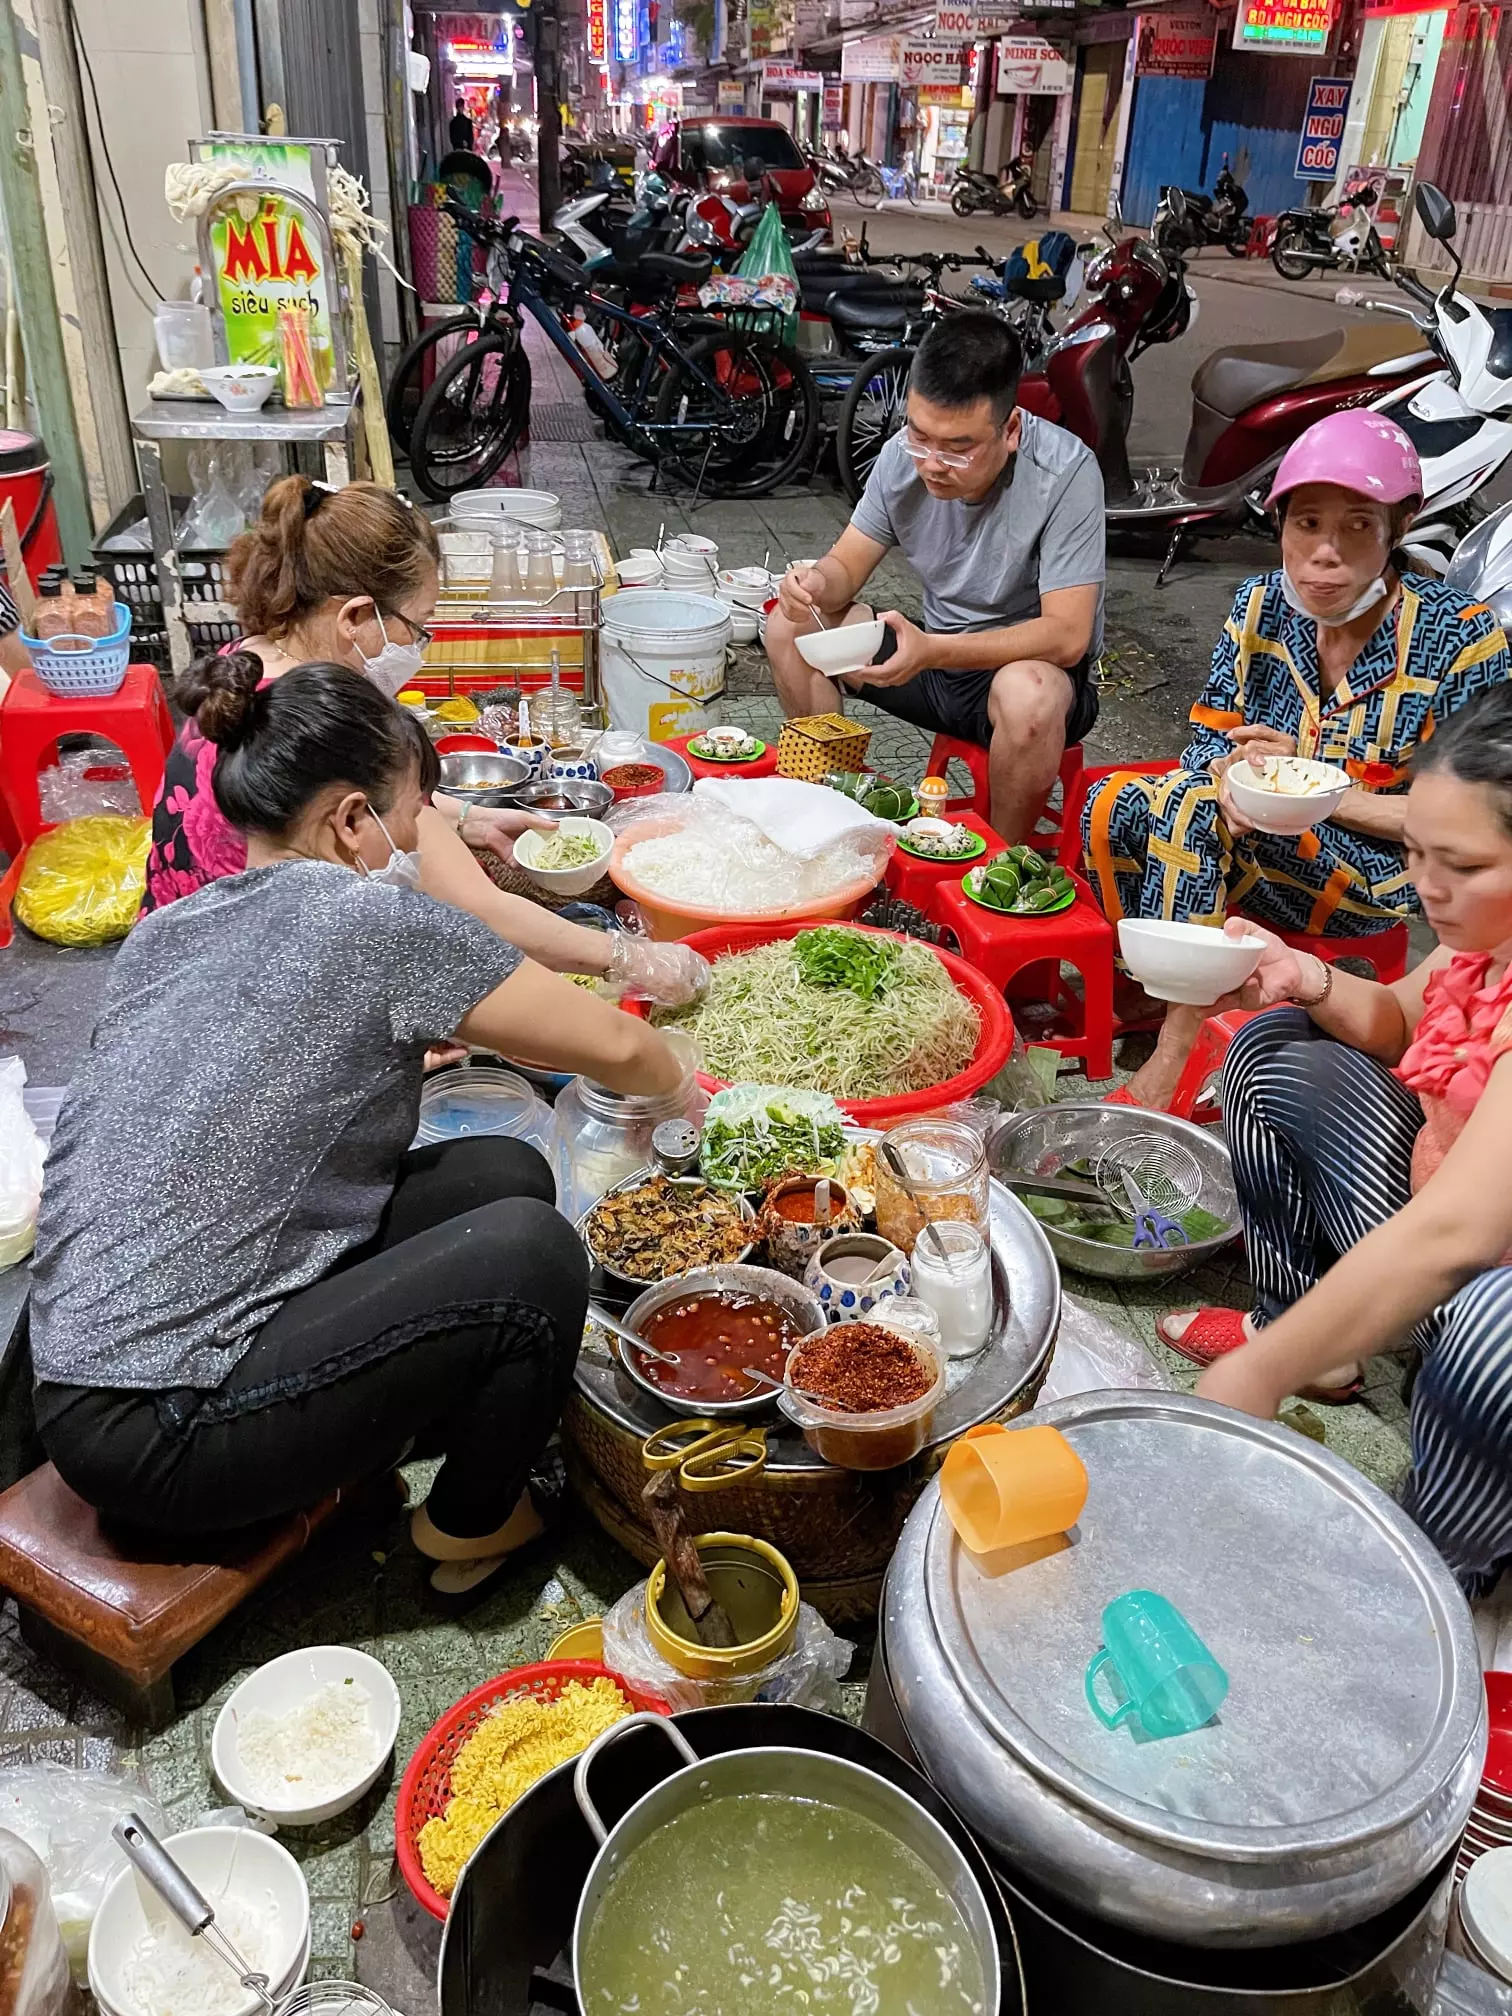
[(1153, 1231), (707, 1455)]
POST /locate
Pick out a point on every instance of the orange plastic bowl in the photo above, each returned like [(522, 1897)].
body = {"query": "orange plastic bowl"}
[(664, 921), (426, 1785), (993, 1045)]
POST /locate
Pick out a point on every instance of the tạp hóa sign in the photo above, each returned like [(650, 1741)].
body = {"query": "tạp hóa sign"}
[(265, 263)]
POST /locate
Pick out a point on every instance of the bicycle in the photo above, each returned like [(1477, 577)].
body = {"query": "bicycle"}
[(483, 317), (709, 405), (898, 182)]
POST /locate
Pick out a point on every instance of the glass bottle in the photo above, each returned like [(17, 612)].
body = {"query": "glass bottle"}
[(601, 1137), (947, 1166)]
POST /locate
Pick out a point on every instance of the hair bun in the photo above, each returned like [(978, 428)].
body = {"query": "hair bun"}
[(220, 692)]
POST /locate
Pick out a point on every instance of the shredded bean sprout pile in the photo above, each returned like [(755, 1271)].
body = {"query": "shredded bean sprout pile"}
[(761, 1021)]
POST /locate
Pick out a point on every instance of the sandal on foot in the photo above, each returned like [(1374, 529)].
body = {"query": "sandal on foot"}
[(1210, 1333), (1121, 1097)]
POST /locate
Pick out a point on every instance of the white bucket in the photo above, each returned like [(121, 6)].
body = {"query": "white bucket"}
[(662, 656)]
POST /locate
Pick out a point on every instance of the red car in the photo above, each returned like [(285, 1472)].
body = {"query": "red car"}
[(747, 159)]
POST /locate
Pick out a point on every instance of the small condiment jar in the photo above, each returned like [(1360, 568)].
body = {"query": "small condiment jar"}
[(932, 794), (958, 1289), (674, 1146), (792, 1240)]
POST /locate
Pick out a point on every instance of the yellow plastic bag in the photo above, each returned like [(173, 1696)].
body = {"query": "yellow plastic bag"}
[(83, 882)]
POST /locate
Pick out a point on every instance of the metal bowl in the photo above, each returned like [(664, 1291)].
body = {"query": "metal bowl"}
[(583, 795), (1031, 1143), (802, 1305), (636, 1282), (470, 774)]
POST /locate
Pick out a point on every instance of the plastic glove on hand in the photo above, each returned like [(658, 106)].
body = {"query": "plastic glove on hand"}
[(670, 976)]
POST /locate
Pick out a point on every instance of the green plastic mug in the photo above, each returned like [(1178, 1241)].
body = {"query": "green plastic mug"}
[(1169, 1678)]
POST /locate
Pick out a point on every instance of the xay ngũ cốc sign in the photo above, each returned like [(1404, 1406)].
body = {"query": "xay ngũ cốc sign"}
[(1323, 128)]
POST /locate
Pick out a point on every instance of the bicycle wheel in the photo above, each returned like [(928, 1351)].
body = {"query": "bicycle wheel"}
[(871, 415), (751, 411), (471, 417), (911, 189), (869, 189), (407, 387)]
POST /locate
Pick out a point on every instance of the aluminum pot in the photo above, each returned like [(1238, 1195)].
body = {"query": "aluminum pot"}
[(800, 1774), (471, 775), (1346, 1758)]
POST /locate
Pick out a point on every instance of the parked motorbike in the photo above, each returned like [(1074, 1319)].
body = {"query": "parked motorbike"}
[(1482, 565), (1000, 195), (1250, 403), (1198, 220), (1135, 297), (848, 175), (1328, 240)]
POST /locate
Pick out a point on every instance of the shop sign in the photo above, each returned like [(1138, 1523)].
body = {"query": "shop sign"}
[(761, 28), (974, 20), (1176, 45), (264, 263), (877, 60), (598, 32), (810, 18), (786, 80), (1323, 128), (626, 26), (1030, 65), (1284, 27), (833, 115), (731, 95), (930, 62), (949, 97)]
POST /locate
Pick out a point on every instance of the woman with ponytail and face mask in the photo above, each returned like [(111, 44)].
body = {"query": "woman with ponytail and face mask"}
[(1340, 654), (249, 1290), (350, 578)]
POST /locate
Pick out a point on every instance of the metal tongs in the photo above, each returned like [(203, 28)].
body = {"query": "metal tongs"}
[(195, 1913)]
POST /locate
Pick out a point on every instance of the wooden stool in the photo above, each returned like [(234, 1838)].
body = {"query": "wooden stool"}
[(1029, 951), (764, 766), (914, 880), (136, 720), (973, 758), (117, 1611)]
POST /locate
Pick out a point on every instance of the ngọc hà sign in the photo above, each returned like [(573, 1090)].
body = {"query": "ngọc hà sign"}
[(1323, 128), (928, 61)]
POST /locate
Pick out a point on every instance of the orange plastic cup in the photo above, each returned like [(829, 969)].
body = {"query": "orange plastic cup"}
[(1004, 1486)]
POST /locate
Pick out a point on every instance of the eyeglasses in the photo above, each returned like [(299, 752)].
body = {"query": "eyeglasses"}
[(920, 453), (418, 632)]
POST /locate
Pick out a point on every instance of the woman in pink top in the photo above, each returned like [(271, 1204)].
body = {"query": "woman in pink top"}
[(1371, 1129)]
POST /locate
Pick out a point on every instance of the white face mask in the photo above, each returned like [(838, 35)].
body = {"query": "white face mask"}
[(395, 665), (401, 870), (1373, 594)]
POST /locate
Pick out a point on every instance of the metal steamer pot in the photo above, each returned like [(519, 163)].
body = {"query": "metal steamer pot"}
[(1341, 1768), (800, 1774)]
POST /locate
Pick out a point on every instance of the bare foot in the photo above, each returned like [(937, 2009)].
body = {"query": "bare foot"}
[(1174, 1326)]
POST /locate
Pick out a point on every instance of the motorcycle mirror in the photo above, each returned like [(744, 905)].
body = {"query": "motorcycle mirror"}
[(1435, 212)]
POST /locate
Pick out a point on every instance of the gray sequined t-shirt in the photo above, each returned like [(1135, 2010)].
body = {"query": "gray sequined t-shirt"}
[(252, 1085)]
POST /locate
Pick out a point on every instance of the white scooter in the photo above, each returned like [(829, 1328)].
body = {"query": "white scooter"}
[(1460, 420), (1482, 565)]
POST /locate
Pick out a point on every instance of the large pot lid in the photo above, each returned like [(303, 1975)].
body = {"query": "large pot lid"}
[(1354, 1675)]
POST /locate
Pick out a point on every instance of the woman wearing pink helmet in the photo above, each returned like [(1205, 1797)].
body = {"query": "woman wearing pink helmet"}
[(1338, 654)]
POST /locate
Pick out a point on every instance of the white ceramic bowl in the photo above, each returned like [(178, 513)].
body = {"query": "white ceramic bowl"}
[(281, 1685), (1279, 812), (691, 542), (1195, 964), (240, 388), (223, 1862), (566, 881), (744, 625), (637, 572), (844, 649)]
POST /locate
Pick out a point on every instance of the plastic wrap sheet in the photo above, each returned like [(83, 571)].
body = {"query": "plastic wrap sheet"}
[(1091, 1355), (65, 1816), (696, 850), (806, 1676)]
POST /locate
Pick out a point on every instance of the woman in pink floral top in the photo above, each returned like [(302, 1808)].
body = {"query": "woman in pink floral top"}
[(1371, 1130)]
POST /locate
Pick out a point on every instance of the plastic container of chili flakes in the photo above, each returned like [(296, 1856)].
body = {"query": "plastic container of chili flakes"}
[(881, 1438), (34, 1977)]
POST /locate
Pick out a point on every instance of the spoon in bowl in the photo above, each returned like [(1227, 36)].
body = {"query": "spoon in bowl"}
[(628, 1336)]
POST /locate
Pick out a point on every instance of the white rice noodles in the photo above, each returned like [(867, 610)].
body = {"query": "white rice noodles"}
[(314, 1752), (170, 1972), (731, 867)]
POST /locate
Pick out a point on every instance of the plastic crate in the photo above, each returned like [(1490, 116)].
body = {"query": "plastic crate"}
[(133, 576)]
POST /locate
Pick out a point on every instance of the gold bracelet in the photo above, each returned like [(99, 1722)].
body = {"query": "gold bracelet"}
[(1325, 990)]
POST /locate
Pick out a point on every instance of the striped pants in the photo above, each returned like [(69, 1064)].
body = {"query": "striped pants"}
[(1322, 1142)]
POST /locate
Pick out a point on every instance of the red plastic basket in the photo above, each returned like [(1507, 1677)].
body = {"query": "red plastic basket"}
[(992, 1048), (426, 1785)]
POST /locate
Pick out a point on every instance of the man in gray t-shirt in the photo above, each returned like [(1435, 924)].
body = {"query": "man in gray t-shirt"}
[(1001, 516)]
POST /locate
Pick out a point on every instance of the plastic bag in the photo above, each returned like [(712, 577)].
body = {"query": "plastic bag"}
[(83, 882), (806, 1676), (696, 851), (214, 518), (34, 1978), (1092, 1356), (769, 258), (85, 781), (65, 1817), (21, 1158)]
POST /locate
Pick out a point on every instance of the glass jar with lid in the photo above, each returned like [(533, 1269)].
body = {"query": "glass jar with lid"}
[(604, 1136), (946, 1163)]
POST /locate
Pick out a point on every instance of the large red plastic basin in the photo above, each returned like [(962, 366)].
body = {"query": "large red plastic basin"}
[(992, 1050)]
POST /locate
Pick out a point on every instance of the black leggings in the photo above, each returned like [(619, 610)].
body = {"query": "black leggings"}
[(457, 1325)]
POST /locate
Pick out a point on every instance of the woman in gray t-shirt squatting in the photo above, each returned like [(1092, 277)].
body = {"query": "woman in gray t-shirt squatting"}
[(249, 1290)]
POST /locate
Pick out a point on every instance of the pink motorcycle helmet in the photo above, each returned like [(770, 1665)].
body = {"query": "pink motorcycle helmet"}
[(1364, 452)]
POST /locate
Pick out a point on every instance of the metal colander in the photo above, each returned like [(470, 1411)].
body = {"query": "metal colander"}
[(1165, 1172)]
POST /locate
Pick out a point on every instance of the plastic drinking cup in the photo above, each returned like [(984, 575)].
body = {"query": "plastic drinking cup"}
[(1003, 1486), (1169, 1678)]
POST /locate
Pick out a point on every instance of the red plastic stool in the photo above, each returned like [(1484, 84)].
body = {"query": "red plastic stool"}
[(973, 757), (1206, 1060), (1029, 951), (136, 720), (1070, 854), (914, 880), (1385, 952)]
